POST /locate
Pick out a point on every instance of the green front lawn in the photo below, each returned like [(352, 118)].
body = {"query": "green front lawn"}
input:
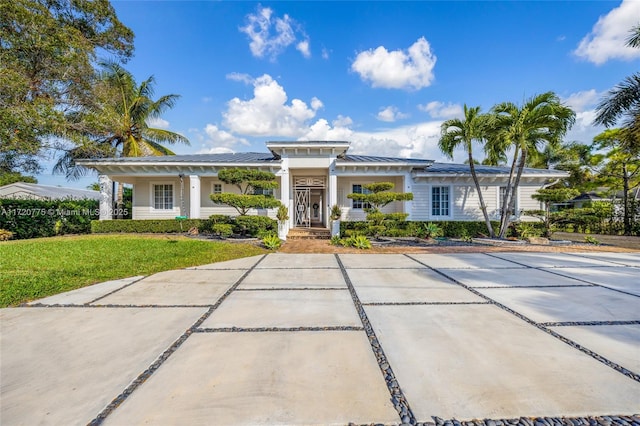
[(32, 269)]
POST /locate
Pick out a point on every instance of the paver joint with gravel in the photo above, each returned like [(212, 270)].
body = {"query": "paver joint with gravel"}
[(459, 339)]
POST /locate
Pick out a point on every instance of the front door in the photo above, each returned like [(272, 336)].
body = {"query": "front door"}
[(303, 207)]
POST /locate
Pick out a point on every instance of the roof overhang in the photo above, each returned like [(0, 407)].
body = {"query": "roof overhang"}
[(147, 168), (308, 148)]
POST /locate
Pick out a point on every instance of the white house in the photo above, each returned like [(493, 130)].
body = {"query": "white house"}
[(33, 191), (312, 177)]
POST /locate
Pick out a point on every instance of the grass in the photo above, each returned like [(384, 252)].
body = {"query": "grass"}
[(32, 269)]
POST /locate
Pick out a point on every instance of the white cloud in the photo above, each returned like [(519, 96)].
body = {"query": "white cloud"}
[(579, 101), (267, 113), (207, 99), (390, 114), (270, 35), (216, 141), (342, 121), (241, 77), (398, 69), (607, 39), (303, 47), (325, 53), (158, 123), (439, 110)]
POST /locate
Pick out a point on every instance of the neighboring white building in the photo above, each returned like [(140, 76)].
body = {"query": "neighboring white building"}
[(34, 191), (312, 177)]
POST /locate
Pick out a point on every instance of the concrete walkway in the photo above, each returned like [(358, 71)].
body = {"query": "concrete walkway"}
[(332, 339)]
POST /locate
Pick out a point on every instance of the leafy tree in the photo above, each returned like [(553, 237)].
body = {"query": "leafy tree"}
[(550, 196), (379, 195), (247, 181), (12, 177), (117, 123), (541, 120), (456, 133), (620, 169), (47, 51), (623, 101)]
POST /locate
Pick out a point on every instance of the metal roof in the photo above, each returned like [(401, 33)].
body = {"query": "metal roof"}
[(451, 168), (32, 190), (373, 159), (237, 157)]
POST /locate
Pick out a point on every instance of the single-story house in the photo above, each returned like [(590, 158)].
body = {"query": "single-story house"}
[(312, 176), (34, 191)]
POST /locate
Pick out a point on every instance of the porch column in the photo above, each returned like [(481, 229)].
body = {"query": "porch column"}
[(285, 188), (194, 197), (106, 197), (333, 185), (408, 187)]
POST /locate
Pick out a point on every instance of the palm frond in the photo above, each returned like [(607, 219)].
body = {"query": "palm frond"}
[(618, 101), (164, 136)]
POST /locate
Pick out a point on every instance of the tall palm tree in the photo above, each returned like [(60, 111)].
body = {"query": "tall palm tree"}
[(462, 133), (541, 120), (118, 123), (623, 101)]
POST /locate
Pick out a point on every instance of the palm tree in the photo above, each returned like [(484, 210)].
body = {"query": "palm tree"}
[(462, 133), (624, 101), (118, 123), (541, 120)]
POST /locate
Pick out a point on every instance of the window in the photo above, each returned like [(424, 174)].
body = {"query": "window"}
[(439, 201), (263, 191), (217, 188), (163, 197), (356, 204), (514, 199)]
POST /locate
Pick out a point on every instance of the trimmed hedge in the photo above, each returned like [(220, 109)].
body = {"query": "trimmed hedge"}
[(451, 229), (44, 218), (252, 226), (160, 226)]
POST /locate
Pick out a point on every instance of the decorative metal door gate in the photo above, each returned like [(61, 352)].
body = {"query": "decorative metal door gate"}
[(303, 207)]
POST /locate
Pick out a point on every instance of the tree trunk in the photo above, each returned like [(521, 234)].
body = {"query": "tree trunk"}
[(511, 197), (625, 200), (483, 206), (505, 202)]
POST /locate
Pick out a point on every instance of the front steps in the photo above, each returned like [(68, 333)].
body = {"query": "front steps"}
[(309, 234)]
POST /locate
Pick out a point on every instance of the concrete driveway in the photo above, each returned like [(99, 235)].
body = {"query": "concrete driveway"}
[(510, 338)]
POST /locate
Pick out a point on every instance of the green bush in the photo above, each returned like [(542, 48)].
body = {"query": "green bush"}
[(591, 240), (154, 226), (271, 242), (450, 229), (42, 218), (224, 230), (358, 241), (254, 226)]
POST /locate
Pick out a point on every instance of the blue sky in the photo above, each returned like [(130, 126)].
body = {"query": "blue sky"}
[(383, 75)]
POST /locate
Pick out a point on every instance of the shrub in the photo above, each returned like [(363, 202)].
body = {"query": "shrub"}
[(271, 242), (524, 230), (5, 235), (336, 240), (223, 230), (45, 218), (431, 230), (159, 226), (358, 241), (254, 226), (591, 240)]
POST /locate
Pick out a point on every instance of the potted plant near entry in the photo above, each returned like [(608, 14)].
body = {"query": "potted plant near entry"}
[(283, 216), (335, 215)]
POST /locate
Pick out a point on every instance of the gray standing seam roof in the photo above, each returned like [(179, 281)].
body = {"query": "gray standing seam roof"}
[(447, 168)]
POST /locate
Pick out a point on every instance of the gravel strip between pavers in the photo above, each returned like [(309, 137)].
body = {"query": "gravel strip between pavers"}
[(549, 270), (570, 342), (398, 399), (168, 352), (591, 323), (633, 420), (275, 329)]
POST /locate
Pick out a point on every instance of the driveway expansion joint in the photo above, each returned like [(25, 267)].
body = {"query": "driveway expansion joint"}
[(422, 303), (632, 420), (294, 289), (116, 290), (274, 329), (142, 377), (554, 269), (398, 399), (589, 323), (595, 355)]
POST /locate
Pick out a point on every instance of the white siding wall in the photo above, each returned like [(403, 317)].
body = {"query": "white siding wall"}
[(345, 185), (143, 198)]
